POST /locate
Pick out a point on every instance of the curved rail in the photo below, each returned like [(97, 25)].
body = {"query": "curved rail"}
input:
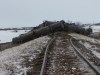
[(45, 56), (87, 61)]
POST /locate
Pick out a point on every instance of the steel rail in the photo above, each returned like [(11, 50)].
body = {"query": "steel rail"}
[(45, 56), (86, 60)]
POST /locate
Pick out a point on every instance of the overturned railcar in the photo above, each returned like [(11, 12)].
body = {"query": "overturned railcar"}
[(23, 38), (50, 27)]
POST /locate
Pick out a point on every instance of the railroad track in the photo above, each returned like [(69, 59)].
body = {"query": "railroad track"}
[(45, 61), (86, 60), (40, 64)]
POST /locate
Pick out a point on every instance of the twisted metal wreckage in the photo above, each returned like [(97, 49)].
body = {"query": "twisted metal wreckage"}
[(48, 27)]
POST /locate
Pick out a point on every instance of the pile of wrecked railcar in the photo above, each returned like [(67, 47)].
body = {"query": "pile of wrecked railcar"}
[(48, 27)]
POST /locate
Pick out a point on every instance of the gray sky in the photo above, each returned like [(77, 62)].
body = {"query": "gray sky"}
[(19, 13)]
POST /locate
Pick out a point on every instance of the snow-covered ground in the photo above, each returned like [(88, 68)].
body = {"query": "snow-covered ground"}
[(94, 28), (90, 47), (6, 36), (86, 38), (12, 61)]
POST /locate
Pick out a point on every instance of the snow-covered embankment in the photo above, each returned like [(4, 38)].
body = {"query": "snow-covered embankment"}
[(12, 61), (89, 43)]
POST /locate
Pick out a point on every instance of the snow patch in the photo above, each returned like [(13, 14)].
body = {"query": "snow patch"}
[(96, 53)]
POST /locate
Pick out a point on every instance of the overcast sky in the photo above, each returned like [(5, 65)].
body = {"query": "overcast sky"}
[(20, 13)]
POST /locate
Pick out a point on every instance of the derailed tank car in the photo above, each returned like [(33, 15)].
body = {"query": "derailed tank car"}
[(23, 38)]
